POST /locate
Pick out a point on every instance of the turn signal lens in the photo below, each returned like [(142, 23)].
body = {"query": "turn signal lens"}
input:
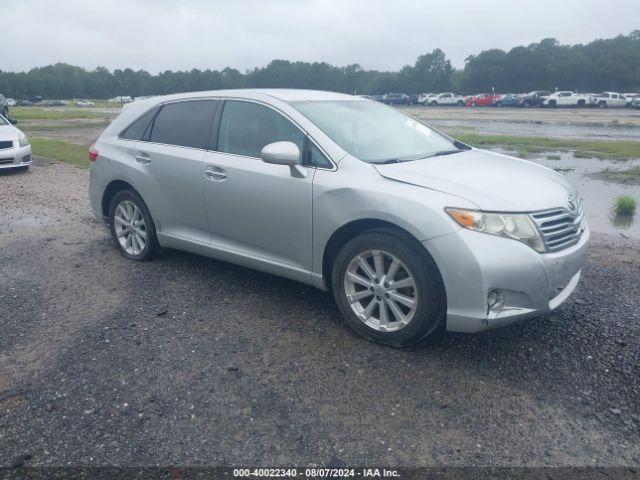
[(465, 218)]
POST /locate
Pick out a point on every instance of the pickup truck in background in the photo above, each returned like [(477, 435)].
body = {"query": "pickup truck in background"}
[(609, 99), (567, 99)]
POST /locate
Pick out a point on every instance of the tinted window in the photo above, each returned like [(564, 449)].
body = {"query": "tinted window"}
[(186, 124), (136, 130), (246, 127)]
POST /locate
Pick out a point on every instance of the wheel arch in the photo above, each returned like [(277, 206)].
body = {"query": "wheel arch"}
[(351, 230), (112, 188)]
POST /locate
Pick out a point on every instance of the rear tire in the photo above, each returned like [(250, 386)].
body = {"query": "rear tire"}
[(602, 104), (460, 103), (132, 227), (434, 104), (5, 112), (401, 324)]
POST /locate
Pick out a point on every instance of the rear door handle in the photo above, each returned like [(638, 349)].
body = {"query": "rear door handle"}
[(142, 158), (214, 173)]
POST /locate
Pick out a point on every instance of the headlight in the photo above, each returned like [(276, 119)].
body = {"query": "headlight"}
[(23, 141), (510, 225)]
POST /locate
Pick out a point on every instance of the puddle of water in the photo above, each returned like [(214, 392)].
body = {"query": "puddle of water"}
[(23, 222), (543, 129), (598, 194)]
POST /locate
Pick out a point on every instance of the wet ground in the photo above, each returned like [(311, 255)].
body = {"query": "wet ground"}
[(598, 193), (580, 123), (187, 360)]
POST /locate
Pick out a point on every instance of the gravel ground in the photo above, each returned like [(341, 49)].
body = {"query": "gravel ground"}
[(187, 360)]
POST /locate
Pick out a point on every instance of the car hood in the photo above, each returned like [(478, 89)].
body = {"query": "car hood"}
[(8, 132), (490, 180)]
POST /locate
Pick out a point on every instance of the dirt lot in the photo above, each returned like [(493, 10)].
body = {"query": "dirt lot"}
[(187, 360)]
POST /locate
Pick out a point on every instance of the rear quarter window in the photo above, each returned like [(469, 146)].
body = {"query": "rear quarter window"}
[(137, 129)]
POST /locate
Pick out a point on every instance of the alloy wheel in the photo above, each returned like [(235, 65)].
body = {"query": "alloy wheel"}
[(380, 290), (130, 227)]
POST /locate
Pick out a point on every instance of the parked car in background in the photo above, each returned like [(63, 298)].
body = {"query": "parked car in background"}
[(395, 99), (413, 99), (446, 98), (377, 98), (423, 98), (534, 98), (121, 99), (4, 106), (413, 231), (482, 100), (609, 99), (15, 151), (506, 100), (567, 99), (84, 103), (11, 102)]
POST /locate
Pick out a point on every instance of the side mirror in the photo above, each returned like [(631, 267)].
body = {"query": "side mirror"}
[(281, 153), (12, 121)]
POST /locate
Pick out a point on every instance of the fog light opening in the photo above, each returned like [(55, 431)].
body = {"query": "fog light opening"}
[(495, 300)]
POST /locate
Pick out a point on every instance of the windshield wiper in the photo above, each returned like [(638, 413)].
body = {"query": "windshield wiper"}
[(386, 162), (445, 152)]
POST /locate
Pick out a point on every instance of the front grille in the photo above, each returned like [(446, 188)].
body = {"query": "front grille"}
[(6, 160), (559, 227), (6, 144)]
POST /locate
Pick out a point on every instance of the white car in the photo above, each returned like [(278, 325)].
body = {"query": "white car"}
[(566, 99), (446, 98), (121, 99), (11, 102), (424, 98), (15, 151), (85, 103), (609, 99)]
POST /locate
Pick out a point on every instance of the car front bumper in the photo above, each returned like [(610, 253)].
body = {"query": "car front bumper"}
[(15, 157), (531, 284)]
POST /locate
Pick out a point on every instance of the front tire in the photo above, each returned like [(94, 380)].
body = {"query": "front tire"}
[(388, 288), (132, 227), (5, 113)]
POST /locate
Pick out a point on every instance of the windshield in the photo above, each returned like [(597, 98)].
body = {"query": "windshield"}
[(375, 133)]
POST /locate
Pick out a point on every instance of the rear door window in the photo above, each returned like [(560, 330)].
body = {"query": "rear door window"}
[(246, 127), (184, 124)]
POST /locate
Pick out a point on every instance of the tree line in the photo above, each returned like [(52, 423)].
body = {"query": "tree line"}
[(604, 64)]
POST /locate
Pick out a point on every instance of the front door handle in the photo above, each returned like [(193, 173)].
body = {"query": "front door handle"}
[(216, 174), (142, 158)]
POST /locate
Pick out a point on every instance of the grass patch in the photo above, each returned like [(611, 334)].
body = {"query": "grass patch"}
[(617, 150), (53, 113), (554, 157), (522, 152), (625, 205), (60, 150), (52, 127), (631, 175)]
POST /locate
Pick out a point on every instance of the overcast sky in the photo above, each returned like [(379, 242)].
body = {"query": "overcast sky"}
[(158, 35)]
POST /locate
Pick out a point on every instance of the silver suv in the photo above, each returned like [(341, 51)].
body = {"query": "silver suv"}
[(409, 228)]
